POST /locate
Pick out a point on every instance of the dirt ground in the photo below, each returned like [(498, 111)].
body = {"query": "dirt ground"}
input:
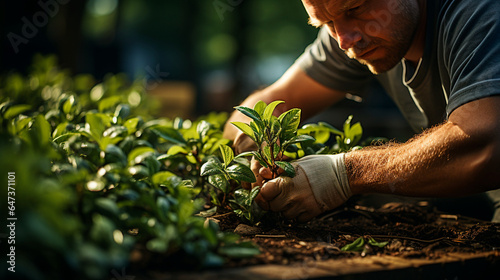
[(413, 231)]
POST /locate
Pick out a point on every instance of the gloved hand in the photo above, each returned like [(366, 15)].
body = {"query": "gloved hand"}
[(320, 184)]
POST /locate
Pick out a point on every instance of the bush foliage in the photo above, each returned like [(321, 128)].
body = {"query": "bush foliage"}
[(98, 176)]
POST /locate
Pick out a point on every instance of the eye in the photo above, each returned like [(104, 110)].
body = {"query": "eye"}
[(354, 10)]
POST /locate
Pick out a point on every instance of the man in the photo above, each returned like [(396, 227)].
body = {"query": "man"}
[(438, 60)]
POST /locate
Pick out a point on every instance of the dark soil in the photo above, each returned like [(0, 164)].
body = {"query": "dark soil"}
[(412, 231)]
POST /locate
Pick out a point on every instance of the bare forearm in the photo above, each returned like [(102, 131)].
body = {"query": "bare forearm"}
[(445, 161)]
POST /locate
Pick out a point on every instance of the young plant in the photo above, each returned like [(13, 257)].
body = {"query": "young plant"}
[(243, 205), (272, 135), (363, 245), (220, 174), (346, 140)]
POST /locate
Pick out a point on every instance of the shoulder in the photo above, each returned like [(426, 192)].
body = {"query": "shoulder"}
[(454, 15)]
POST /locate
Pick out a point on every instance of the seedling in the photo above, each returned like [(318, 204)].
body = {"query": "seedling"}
[(346, 140), (220, 174), (272, 135), (363, 245)]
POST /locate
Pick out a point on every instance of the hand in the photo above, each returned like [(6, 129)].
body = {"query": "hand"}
[(320, 184), (242, 143)]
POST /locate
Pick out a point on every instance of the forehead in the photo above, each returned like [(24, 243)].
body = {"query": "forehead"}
[(327, 8)]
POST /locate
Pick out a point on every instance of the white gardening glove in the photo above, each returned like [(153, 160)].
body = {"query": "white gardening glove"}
[(320, 184)]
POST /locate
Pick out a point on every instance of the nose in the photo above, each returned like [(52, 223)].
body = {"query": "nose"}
[(347, 36)]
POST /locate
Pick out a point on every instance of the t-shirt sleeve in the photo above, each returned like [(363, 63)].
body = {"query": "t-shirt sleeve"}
[(327, 64), (471, 51)]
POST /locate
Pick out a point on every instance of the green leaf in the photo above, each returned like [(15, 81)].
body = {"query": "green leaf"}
[(115, 131), (174, 150), (299, 139), (202, 129), (356, 246), (16, 110), (131, 125), (107, 205), (241, 173), (17, 125), (347, 124), (245, 154), (251, 113), (275, 129), (355, 133), (60, 129), (290, 121), (321, 134), (257, 128), (162, 177), (113, 154), (40, 131), (260, 159), (64, 137), (259, 107), (139, 171), (238, 251), (373, 242), (241, 197), (211, 167), (245, 128), (122, 111), (169, 134), (254, 192), (276, 150), (96, 124), (138, 152), (227, 154), (219, 181), (331, 128), (287, 167), (268, 112), (109, 103), (68, 104), (266, 151)]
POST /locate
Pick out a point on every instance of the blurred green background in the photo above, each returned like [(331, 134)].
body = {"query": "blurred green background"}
[(197, 55)]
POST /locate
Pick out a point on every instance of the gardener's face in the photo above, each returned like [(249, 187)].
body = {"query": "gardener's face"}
[(377, 33)]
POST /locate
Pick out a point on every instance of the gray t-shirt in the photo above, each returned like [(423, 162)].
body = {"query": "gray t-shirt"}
[(461, 63)]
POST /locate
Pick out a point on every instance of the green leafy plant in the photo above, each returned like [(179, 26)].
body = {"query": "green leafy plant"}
[(96, 181), (243, 205), (360, 244), (273, 135), (346, 140), (220, 174)]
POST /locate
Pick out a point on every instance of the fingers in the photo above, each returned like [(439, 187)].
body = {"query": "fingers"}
[(271, 189), (274, 195), (265, 173), (262, 202), (293, 201), (255, 166), (267, 194), (243, 143)]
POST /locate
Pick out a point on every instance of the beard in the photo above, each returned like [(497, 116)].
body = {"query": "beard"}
[(404, 26)]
